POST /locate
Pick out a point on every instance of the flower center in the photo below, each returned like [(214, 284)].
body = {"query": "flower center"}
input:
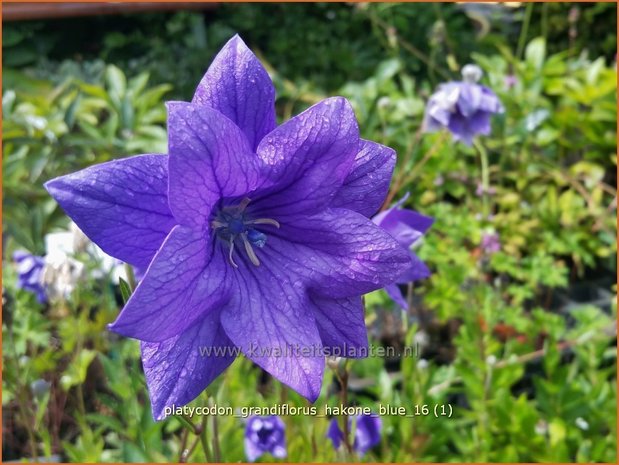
[(232, 224)]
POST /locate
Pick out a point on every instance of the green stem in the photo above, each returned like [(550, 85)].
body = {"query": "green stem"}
[(216, 448), (204, 441), (485, 177), (342, 377), (187, 423), (22, 400), (524, 32)]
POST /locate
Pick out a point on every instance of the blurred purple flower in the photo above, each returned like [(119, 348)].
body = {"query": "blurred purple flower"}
[(256, 238), (463, 107), (510, 81), (29, 270), (265, 434), (406, 227), (367, 433), (479, 191), (490, 243)]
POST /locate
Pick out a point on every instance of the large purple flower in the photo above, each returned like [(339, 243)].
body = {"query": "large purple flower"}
[(29, 269), (406, 227), (256, 237), (463, 107), (265, 434), (367, 433)]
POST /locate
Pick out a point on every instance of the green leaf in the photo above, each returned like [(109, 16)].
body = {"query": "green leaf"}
[(117, 83), (125, 290), (76, 373), (536, 52), (556, 431)]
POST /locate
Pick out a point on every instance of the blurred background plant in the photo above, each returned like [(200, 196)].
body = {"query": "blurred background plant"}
[(515, 329)]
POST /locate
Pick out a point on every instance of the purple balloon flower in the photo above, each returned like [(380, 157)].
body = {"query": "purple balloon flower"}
[(463, 107), (265, 434), (29, 269), (367, 433), (256, 237), (406, 227)]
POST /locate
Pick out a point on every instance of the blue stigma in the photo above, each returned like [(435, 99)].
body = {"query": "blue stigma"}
[(236, 226), (233, 225), (256, 238)]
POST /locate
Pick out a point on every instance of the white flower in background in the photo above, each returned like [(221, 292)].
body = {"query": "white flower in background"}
[(541, 427), (582, 423), (61, 275), (62, 272), (80, 240)]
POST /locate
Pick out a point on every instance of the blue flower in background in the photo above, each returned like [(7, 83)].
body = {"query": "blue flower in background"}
[(463, 107), (367, 433), (29, 274), (265, 434), (406, 227)]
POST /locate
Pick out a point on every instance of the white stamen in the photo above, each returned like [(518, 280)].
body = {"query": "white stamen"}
[(250, 251), (230, 254), (264, 221), (244, 204), (215, 224)]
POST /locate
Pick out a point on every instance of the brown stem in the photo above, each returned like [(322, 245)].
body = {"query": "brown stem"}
[(183, 456), (216, 448)]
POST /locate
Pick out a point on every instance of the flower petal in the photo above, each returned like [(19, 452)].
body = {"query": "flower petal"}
[(309, 157), (406, 226), (237, 85), (464, 129), (419, 270), (185, 281), (178, 369), (469, 99), (252, 451), (366, 186), (121, 205), (393, 290), (367, 433), (210, 158), (269, 317), (490, 102), (335, 433), (341, 326), (339, 253)]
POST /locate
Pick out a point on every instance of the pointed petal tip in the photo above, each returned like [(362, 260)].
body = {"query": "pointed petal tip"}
[(55, 186), (158, 414), (237, 41), (312, 395), (49, 185)]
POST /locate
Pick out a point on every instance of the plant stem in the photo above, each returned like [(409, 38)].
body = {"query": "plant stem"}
[(524, 31), (485, 177), (183, 456), (404, 178), (22, 399), (187, 423), (342, 377), (204, 442), (216, 448), (388, 29)]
